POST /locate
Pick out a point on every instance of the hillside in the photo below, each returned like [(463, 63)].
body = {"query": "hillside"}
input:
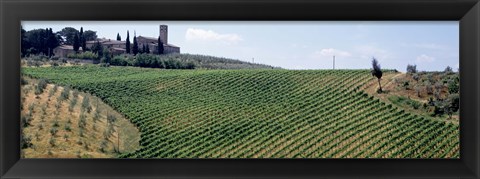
[(58, 122), (259, 113), (167, 61), (212, 62)]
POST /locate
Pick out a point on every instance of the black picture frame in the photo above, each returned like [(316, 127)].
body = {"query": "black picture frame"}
[(467, 12)]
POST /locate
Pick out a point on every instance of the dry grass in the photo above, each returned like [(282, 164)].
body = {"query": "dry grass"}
[(49, 113), (392, 88)]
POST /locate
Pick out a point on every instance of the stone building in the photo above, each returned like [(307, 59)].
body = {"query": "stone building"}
[(118, 47), (152, 42), (64, 50)]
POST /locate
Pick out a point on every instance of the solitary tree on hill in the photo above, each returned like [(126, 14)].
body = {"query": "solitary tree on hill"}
[(377, 72), (160, 46), (127, 43), (118, 37)]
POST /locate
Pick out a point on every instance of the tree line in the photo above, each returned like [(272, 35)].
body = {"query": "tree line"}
[(43, 41)]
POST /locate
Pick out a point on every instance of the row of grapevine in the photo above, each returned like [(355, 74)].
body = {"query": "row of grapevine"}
[(259, 113)]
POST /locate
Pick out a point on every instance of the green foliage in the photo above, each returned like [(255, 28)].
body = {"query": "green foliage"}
[(454, 85), (135, 46), (53, 131), (39, 41), (448, 69), (183, 61), (68, 33), (25, 141), (377, 72), (84, 55), (86, 104), (73, 102), (52, 141), (411, 68), (406, 84), (118, 37), (97, 49), (82, 121), (111, 118), (403, 101), (76, 42), (42, 84), (127, 43), (103, 146), (65, 94), (23, 81), (68, 127)]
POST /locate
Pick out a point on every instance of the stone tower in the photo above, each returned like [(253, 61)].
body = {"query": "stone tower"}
[(164, 34)]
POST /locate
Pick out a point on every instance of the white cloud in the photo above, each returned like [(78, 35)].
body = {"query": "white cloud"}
[(193, 34), (425, 59), (330, 52)]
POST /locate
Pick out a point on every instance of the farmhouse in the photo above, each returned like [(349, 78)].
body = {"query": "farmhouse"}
[(118, 47), (64, 50)]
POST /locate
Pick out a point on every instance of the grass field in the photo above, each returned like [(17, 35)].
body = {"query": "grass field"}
[(269, 113)]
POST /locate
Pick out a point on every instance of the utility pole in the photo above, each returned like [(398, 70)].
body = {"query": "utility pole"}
[(334, 62)]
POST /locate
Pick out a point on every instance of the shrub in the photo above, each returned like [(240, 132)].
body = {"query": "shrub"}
[(84, 55), (52, 141), (86, 104), (454, 86), (53, 131), (111, 118), (68, 127), (82, 122), (65, 93), (42, 84), (448, 69), (25, 141), (153, 61), (411, 68)]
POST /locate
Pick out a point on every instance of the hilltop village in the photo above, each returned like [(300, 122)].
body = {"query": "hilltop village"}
[(117, 46)]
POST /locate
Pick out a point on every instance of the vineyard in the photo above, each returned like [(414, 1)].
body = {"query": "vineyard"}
[(264, 113)]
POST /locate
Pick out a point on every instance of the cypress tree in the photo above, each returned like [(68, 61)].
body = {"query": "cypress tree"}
[(127, 44), (51, 42), (377, 72), (25, 44), (83, 42), (160, 46), (76, 42), (118, 37), (143, 49), (135, 46), (147, 49)]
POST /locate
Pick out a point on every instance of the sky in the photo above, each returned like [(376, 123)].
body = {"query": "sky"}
[(431, 45)]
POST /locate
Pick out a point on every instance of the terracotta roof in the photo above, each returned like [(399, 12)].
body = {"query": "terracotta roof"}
[(114, 42), (149, 38)]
